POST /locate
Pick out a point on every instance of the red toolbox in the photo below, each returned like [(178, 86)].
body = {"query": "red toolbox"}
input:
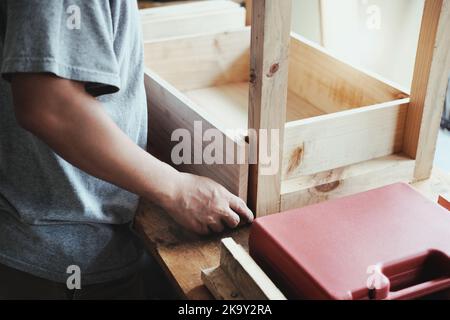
[(389, 243)]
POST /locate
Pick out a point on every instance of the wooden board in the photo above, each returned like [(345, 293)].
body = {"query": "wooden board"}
[(333, 85), (336, 140), (195, 62), (238, 275), (169, 111), (191, 18), (269, 66), (229, 104), (339, 182), (183, 255), (429, 86)]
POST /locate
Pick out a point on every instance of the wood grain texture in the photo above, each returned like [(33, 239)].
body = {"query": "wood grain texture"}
[(183, 255), (217, 21), (429, 86), (220, 285), (243, 274), (149, 4), (332, 141), (168, 111), (174, 9), (195, 62), (269, 64), (343, 181), (331, 84), (248, 7), (229, 104)]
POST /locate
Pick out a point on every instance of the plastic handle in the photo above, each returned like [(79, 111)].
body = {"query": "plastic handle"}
[(421, 290), (434, 263)]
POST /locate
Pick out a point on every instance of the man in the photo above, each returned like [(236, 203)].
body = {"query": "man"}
[(72, 160)]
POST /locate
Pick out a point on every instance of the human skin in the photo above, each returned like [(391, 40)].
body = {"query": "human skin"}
[(64, 116)]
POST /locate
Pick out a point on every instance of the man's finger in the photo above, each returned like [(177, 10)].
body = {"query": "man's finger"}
[(231, 219), (238, 205)]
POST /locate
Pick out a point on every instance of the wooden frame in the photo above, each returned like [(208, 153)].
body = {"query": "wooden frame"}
[(341, 129), (190, 18), (238, 276), (421, 122)]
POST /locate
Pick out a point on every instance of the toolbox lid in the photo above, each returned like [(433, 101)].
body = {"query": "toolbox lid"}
[(388, 243)]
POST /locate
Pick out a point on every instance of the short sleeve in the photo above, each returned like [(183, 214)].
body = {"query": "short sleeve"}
[(70, 39)]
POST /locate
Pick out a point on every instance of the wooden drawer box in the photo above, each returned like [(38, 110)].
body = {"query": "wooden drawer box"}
[(338, 117), (191, 18)]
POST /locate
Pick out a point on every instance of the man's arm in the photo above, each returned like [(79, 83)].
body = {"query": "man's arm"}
[(75, 126)]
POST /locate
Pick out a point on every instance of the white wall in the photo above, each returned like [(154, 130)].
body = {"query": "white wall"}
[(306, 19), (350, 29)]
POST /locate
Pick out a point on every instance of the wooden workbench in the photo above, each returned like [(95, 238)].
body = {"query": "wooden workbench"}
[(183, 255)]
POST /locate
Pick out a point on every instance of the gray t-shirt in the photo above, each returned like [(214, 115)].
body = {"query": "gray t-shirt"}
[(53, 215)]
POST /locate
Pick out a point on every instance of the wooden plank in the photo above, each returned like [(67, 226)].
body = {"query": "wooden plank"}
[(245, 274), (170, 24), (169, 110), (220, 285), (271, 25), (248, 7), (180, 8), (149, 4), (195, 62), (229, 104), (333, 85), (336, 183), (429, 86), (183, 255), (336, 140)]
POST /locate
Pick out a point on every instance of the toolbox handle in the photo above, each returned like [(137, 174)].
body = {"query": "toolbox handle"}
[(434, 265), (421, 290)]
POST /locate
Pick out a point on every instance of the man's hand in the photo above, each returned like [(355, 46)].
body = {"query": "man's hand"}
[(76, 126), (204, 206)]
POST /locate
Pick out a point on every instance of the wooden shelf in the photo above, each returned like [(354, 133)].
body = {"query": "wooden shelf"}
[(229, 104)]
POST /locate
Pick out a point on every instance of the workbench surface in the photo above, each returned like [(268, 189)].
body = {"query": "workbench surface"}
[(183, 255)]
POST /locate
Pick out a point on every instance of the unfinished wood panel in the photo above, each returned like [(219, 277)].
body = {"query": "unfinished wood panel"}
[(228, 104), (190, 19), (149, 4), (243, 273), (169, 111), (311, 189), (271, 25), (337, 140), (181, 254), (332, 85), (195, 62), (248, 7), (182, 8), (429, 86), (220, 285)]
